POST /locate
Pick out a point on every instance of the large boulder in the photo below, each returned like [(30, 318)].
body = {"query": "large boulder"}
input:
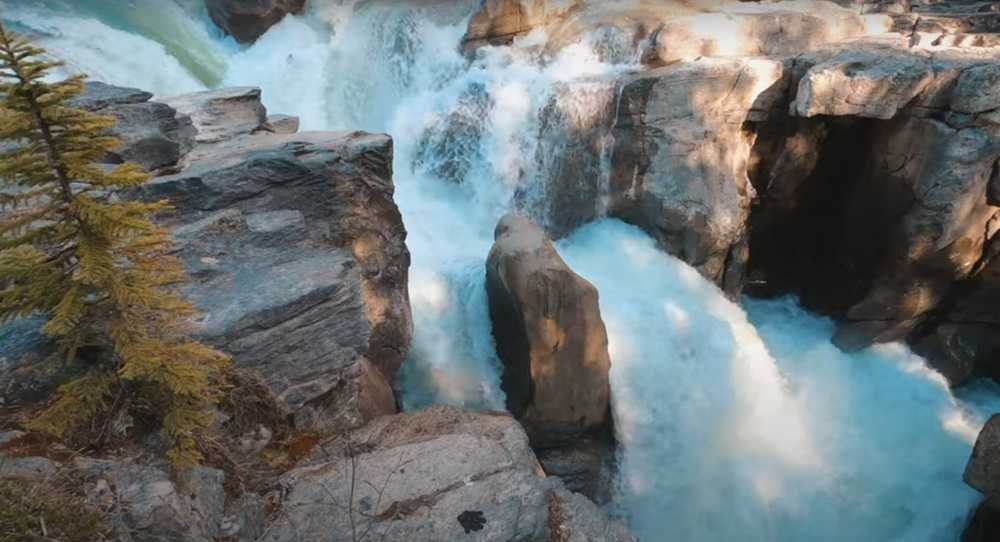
[(437, 474), (247, 20), (299, 262), (152, 134), (680, 161), (554, 347), (298, 257), (549, 335)]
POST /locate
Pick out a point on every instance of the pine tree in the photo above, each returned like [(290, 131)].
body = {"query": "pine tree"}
[(95, 264)]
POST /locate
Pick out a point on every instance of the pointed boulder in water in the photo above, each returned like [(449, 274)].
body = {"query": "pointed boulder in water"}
[(549, 334)]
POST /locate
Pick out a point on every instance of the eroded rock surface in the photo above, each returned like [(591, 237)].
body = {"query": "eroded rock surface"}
[(299, 262), (437, 474), (152, 134), (550, 336), (847, 154)]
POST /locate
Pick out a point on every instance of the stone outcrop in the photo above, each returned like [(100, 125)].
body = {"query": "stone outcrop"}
[(299, 261), (247, 20), (664, 149), (297, 256), (152, 134), (437, 474), (883, 183), (549, 334), (679, 30)]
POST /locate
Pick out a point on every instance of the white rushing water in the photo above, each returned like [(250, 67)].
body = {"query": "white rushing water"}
[(736, 422)]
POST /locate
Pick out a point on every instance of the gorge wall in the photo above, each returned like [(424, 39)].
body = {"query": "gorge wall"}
[(857, 175)]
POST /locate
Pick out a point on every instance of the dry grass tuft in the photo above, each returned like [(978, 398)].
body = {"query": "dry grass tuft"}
[(48, 510)]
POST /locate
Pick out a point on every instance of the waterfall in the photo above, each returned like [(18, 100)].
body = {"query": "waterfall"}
[(736, 421), (745, 423)]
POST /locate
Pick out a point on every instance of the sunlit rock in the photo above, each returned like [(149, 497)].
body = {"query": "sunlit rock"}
[(222, 114), (300, 268), (860, 83), (680, 160), (549, 334), (432, 475)]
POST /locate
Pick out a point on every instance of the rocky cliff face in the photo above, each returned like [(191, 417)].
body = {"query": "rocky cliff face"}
[(799, 147), (297, 253)]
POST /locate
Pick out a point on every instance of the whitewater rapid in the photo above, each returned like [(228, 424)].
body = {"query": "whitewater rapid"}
[(736, 421)]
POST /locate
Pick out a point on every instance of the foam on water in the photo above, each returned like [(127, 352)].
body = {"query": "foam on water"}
[(738, 426), (110, 42), (736, 423)]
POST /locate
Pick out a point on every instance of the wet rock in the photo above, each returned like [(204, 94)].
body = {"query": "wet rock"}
[(299, 265), (549, 334), (985, 523), (983, 470), (451, 144), (222, 114), (247, 20), (697, 207), (585, 466), (573, 159)]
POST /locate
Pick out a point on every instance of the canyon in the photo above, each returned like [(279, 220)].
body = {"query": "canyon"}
[(573, 270)]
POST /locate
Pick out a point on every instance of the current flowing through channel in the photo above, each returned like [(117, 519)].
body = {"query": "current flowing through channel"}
[(736, 421)]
